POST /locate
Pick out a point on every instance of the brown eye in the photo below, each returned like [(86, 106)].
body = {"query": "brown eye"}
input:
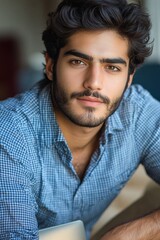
[(77, 62), (112, 68)]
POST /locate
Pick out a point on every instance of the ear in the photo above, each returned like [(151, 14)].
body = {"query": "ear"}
[(49, 66), (130, 79)]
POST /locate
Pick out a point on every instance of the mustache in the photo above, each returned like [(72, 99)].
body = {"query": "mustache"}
[(90, 93)]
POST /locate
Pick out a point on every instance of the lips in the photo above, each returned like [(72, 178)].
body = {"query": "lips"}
[(90, 101)]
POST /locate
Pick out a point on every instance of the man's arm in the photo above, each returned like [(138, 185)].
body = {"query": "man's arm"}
[(147, 228), (17, 204)]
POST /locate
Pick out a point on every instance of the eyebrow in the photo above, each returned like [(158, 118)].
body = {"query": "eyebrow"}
[(114, 60), (90, 58), (78, 54)]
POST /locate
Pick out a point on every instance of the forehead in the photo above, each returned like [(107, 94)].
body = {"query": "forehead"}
[(98, 44)]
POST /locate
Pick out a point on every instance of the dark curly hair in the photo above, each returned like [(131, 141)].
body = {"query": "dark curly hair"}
[(129, 20)]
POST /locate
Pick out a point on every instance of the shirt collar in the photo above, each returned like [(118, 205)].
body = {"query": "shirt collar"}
[(114, 123)]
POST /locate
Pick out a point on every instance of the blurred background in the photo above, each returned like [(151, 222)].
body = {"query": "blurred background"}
[(21, 25), (21, 66)]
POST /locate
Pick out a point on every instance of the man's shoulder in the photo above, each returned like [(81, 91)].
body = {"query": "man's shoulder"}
[(26, 102), (20, 102), (137, 96), (16, 111), (138, 105)]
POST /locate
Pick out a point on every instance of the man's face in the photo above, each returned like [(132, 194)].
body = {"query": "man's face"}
[(91, 76)]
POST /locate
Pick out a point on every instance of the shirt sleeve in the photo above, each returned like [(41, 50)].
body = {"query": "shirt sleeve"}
[(148, 136), (17, 204)]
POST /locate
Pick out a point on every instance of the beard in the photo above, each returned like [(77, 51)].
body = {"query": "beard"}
[(89, 118)]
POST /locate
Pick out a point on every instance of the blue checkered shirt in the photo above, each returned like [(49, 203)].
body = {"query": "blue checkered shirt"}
[(39, 187)]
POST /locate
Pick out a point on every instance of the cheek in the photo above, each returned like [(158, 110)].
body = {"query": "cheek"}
[(69, 81), (114, 91), (64, 85), (68, 75), (115, 87)]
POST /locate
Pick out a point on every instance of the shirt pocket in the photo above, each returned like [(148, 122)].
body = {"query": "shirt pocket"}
[(102, 193), (105, 189)]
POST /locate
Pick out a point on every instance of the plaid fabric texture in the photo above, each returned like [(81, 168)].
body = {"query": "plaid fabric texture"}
[(39, 187)]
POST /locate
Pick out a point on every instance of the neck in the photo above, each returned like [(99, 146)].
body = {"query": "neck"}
[(78, 137)]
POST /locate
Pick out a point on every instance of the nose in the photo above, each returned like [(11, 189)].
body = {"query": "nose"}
[(93, 77)]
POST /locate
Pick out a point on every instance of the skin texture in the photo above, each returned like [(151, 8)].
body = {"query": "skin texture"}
[(145, 228)]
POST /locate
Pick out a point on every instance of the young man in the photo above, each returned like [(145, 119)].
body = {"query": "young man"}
[(69, 145)]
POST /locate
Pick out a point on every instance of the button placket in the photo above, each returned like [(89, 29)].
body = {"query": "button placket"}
[(77, 205)]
